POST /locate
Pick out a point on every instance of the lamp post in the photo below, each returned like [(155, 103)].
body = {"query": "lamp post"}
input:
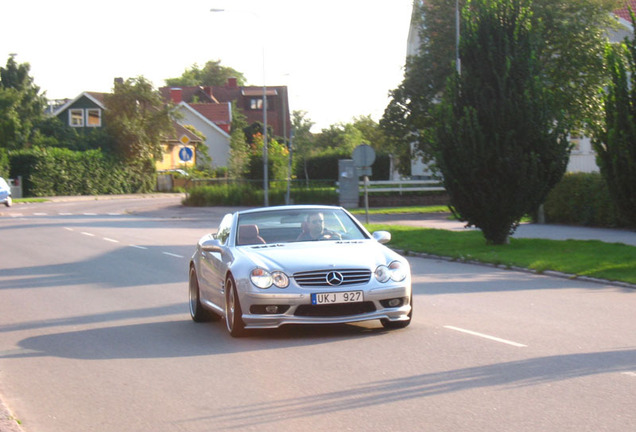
[(265, 146), (458, 64)]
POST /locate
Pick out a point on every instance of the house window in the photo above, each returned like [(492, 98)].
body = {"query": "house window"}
[(76, 117), (575, 140), (93, 117), (256, 103)]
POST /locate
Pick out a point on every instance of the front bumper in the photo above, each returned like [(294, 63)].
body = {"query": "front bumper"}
[(297, 308)]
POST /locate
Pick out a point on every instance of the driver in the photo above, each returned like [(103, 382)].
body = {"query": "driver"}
[(315, 229)]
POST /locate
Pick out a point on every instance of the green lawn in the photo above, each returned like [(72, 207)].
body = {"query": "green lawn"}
[(402, 210), (590, 258)]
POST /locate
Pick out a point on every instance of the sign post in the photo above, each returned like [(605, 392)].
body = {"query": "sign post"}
[(363, 158)]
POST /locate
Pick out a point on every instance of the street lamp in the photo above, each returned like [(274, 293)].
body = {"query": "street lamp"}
[(265, 147)]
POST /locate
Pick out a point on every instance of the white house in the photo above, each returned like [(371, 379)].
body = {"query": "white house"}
[(210, 120)]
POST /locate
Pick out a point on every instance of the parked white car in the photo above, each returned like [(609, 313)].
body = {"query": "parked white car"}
[(5, 193)]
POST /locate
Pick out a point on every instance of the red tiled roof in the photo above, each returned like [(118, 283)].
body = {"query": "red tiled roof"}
[(624, 11), (217, 113), (189, 94)]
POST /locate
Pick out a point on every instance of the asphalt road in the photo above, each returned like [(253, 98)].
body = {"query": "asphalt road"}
[(95, 335)]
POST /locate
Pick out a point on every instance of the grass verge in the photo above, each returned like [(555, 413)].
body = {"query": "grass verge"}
[(402, 210), (591, 258)]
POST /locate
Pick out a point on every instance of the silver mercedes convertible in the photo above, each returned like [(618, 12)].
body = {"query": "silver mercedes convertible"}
[(272, 266)]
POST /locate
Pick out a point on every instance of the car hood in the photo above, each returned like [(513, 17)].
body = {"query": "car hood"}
[(322, 255)]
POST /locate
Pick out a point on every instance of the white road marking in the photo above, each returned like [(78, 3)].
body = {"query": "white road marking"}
[(88, 234), (68, 229), (111, 240), (138, 247), (90, 214), (65, 214), (632, 374), (173, 255), (39, 214), (485, 336)]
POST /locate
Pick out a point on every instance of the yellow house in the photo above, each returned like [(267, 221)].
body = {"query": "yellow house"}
[(179, 151)]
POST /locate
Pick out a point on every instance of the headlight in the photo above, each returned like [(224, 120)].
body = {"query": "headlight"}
[(280, 279), (264, 279), (394, 271)]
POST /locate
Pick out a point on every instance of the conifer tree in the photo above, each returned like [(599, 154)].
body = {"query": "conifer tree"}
[(498, 144), (615, 144)]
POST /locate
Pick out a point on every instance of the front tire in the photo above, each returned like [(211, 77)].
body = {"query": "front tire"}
[(197, 311), (233, 312), (8, 202)]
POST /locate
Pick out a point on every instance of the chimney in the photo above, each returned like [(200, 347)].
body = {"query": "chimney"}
[(231, 82), (175, 95), (118, 80)]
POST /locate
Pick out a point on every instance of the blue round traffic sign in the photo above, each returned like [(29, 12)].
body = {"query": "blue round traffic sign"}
[(186, 154)]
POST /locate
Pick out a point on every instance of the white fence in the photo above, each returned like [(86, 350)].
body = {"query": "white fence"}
[(402, 186)]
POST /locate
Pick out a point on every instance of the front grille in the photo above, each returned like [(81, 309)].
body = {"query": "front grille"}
[(335, 310), (318, 278)]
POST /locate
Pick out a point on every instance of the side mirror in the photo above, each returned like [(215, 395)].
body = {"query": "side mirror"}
[(212, 245), (382, 236)]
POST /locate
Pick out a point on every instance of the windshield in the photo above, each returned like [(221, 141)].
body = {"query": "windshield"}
[(296, 225)]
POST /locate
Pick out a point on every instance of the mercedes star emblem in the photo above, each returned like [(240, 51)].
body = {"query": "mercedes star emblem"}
[(334, 278)]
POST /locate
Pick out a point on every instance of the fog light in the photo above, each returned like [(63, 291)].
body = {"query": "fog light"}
[(395, 302), (271, 309)]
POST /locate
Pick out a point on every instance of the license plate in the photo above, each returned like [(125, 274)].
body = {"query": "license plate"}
[(337, 297)]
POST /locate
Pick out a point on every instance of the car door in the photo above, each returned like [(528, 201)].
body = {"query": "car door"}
[(214, 266)]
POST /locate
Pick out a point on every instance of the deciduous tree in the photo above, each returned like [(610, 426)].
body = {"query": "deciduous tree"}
[(21, 104), (137, 120), (211, 74)]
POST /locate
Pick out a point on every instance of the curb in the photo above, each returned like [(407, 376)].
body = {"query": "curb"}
[(8, 423)]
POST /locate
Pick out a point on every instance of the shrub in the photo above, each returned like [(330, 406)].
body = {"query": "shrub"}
[(581, 199)]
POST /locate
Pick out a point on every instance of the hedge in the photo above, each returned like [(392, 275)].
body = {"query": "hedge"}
[(325, 166), (582, 199), (58, 171)]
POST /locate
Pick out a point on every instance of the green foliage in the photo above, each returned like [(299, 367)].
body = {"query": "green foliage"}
[(499, 145), (52, 132), (211, 74), (570, 60), (342, 137), (21, 104), (324, 165), (56, 171), (4, 163), (303, 142), (277, 159), (239, 149), (248, 194), (615, 143), (581, 199), (137, 120)]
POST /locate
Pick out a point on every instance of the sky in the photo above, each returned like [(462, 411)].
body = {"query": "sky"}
[(339, 58)]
